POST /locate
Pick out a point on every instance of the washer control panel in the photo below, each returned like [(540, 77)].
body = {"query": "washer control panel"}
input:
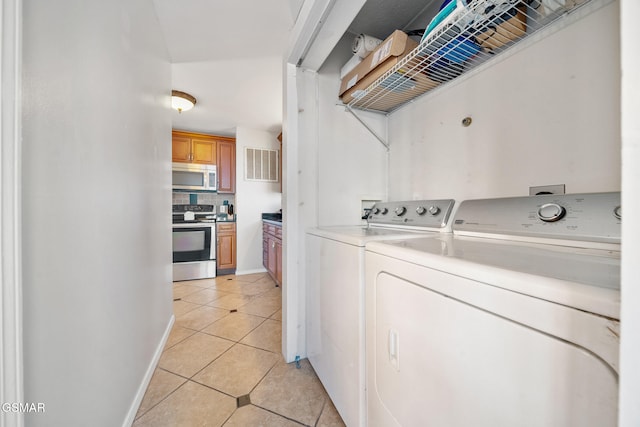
[(594, 217), (415, 213)]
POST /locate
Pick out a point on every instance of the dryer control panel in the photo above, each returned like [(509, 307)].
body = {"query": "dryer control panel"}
[(591, 217), (413, 213)]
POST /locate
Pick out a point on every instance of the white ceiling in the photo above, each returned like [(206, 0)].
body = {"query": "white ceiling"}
[(229, 55)]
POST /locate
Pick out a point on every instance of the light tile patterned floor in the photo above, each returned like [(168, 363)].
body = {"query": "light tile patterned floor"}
[(223, 365)]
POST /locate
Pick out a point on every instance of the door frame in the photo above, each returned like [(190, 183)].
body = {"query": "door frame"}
[(11, 354)]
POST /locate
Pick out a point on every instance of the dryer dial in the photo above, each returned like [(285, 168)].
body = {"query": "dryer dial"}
[(551, 212), (434, 210)]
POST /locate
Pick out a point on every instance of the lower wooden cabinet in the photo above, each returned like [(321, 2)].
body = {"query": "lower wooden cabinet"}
[(226, 247), (272, 250)]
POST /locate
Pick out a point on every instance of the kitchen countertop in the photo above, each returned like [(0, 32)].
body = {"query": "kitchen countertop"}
[(223, 217), (275, 216), (274, 222)]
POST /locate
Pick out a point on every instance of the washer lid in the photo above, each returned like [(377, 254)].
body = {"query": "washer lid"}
[(587, 279), (360, 235)]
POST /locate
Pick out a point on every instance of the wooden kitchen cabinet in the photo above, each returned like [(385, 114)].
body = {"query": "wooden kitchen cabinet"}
[(279, 262), (226, 248), (190, 147), (226, 165), (181, 148), (272, 250)]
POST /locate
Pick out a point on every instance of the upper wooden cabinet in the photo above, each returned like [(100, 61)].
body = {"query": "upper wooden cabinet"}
[(190, 147), (226, 165), (181, 148)]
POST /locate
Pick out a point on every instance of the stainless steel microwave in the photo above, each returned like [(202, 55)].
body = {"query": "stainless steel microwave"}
[(190, 176)]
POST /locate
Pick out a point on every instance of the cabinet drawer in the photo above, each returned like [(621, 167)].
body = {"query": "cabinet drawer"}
[(226, 228), (272, 230)]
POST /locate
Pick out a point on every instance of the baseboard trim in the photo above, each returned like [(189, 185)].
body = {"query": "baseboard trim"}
[(225, 272), (257, 270), (133, 410)]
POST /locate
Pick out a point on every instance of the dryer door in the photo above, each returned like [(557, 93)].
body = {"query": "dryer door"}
[(434, 360)]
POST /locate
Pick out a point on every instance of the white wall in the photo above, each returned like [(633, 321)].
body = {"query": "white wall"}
[(252, 199), (351, 162), (630, 322), (549, 114), (299, 201), (96, 202), (331, 163)]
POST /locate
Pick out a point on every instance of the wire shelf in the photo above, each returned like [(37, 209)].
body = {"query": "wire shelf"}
[(456, 41)]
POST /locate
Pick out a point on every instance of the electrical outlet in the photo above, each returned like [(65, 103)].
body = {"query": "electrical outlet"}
[(546, 189)]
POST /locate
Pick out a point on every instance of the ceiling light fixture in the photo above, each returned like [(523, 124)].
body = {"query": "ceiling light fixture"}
[(182, 101)]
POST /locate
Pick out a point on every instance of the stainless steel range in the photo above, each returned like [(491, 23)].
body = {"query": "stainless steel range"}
[(194, 242)]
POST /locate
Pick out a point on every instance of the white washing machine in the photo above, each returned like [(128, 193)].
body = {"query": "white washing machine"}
[(335, 294), (512, 320)]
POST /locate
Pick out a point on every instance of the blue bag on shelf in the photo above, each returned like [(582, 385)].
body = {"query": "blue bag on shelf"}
[(453, 45)]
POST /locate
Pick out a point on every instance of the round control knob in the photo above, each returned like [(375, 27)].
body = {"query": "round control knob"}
[(551, 212), (384, 211), (376, 211), (434, 210), (618, 212), (420, 210), (400, 210)]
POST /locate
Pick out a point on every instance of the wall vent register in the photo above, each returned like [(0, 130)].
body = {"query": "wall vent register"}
[(261, 165)]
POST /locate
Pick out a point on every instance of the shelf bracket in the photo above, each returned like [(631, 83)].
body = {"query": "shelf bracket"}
[(362, 122)]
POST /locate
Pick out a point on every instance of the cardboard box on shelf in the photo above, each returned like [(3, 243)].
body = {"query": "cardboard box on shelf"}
[(385, 56), (404, 84), (350, 65)]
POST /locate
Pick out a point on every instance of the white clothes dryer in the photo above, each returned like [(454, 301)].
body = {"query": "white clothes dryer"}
[(335, 294), (512, 320)]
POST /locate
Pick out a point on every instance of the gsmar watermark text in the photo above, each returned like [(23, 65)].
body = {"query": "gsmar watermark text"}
[(24, 407)]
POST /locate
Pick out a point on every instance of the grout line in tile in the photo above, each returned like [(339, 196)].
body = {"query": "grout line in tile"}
[(164, 398), (235, 343), (228, 418), (264, 319), (324, 405), (257, 383), (225, 308), (281, 415), (213, 388), (176, 343)]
